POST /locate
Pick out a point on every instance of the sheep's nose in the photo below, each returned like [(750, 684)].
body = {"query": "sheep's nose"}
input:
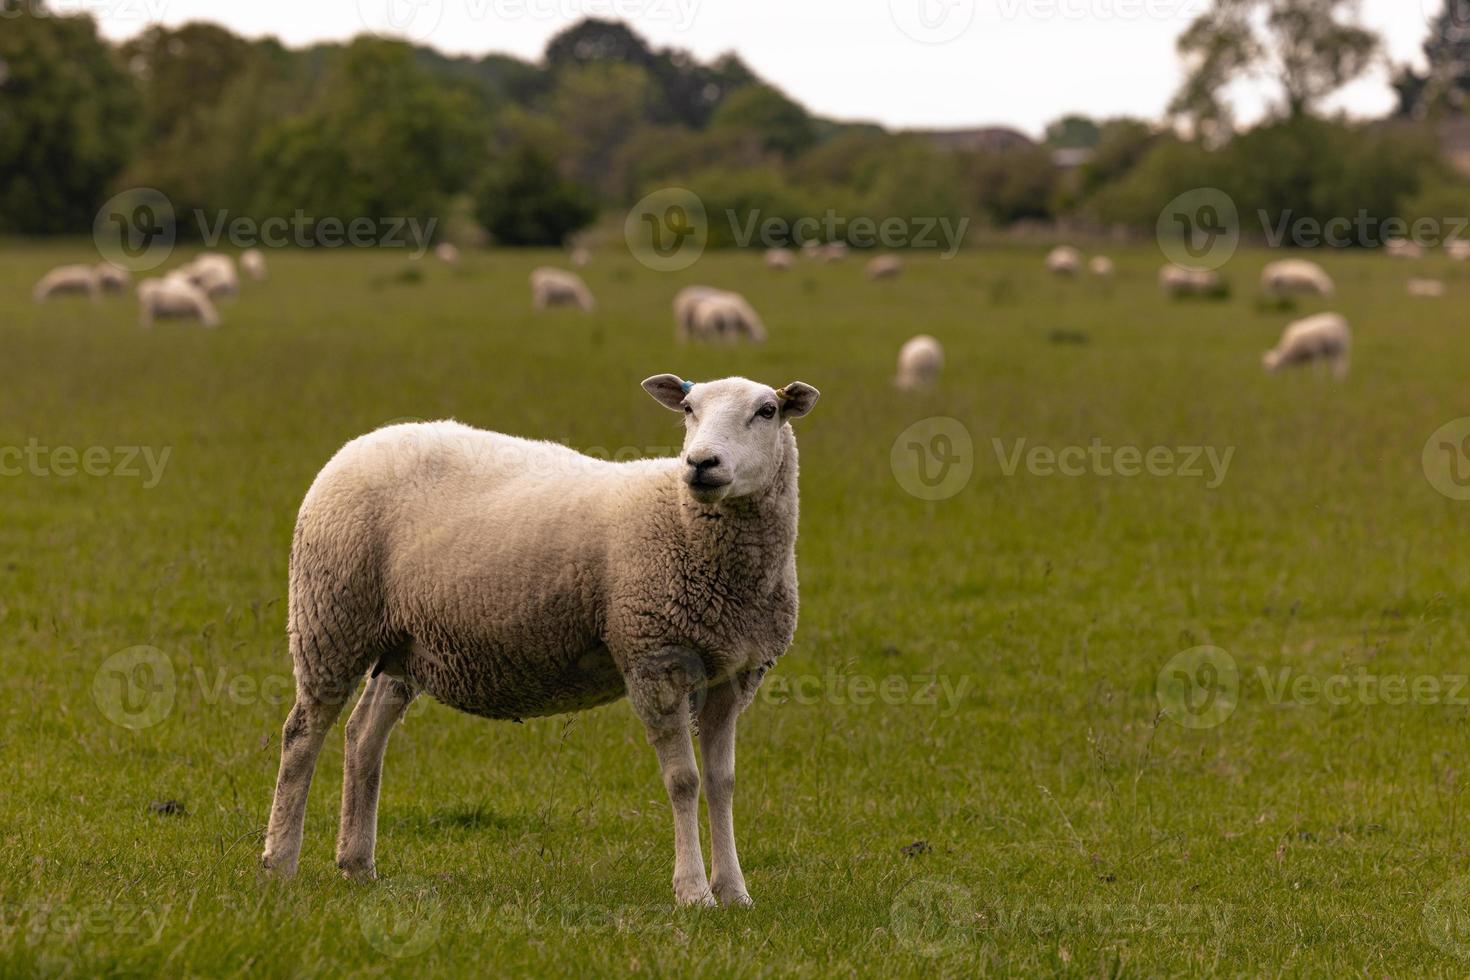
[(702, 462)]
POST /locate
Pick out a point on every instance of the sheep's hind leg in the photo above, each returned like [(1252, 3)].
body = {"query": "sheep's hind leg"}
[(301, 740), (382, 706), (659, 686)]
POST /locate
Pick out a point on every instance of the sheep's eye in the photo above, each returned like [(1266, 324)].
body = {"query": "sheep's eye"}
[(767, 412), (688, 410)]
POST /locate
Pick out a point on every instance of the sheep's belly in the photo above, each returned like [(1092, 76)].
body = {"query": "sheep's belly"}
[(493, 685)]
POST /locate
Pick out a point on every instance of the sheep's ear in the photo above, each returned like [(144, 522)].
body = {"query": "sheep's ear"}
[(668, 390), (797, 399)]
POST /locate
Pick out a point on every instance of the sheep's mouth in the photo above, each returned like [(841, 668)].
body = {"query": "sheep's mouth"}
[(707, 490)]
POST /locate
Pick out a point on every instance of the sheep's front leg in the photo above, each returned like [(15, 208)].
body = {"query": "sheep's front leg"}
[(717, 743), (382, 706), (659, 685)]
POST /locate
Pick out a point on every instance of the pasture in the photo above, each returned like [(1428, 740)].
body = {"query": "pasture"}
[(960, 767)]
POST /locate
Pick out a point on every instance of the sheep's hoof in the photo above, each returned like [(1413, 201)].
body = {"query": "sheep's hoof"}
[(361, 873), (275, 868), (738, 900), (696, 897)]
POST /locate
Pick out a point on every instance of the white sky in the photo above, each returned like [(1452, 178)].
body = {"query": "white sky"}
[(1009, 62)]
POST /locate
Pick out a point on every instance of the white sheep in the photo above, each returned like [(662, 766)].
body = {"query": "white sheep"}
[(213, 273), (832, 252), (1427, 288), (1101, 266), (1324, 337), (66, 279), (580, 256), (1064, 260), (1294, 277), (558, 287), (1178, 281), (252, 260), (447, 252), (780, 258), (514, 579), (175, 295), (1400, 248), (920, 360), (706, 313), (112, 278), (884, 267), (1458, 249)]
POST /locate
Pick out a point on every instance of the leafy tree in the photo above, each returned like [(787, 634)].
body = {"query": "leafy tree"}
[(1073, 133), (597, 106), (784, 126), (522, 200), (1445, 87), (1304, 45), (68, 119)]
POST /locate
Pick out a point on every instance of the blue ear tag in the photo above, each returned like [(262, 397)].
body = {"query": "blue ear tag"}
[(686, 385)]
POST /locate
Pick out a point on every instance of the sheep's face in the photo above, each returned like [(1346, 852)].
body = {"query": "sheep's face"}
[(732, 431)]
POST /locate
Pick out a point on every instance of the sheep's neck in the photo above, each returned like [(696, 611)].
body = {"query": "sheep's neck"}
[(755, 535)]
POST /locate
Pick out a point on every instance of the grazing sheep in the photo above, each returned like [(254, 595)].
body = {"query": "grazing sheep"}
[(1427, 288), (780, 258), (1177, 281), (580, 256), (1291, 277), (512, 579), (920, 360), (811, 250), (174, 295), (1324, 337), (213, 273), (884, 267), (447, 252), (1458, 249), (558, 287), (706, 313), (112, 278), (1064, 260), (1403, 249), (66, 279), (252, 260), (832, 252), (1101, 266)]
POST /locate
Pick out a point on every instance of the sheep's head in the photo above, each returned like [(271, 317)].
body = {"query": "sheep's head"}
[(733, 431)]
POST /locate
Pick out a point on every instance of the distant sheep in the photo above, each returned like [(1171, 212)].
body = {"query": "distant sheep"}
[(780, 258), (1324, 337), (1101, 266), (829, 252), (174, 295), (884, 267), (1458, 249), (1177, 281), (1402, 249), (252, 260), (580, 256), (1064, 260), (112, 278), (1296, 277), (67, 279), (920, 360), (213, 273), (1426, 288), (726, 316), (447, 252), (558, 287)]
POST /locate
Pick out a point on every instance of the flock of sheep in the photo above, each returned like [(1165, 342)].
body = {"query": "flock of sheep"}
[(186, 292)]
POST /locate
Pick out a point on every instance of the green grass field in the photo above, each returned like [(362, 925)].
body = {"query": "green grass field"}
[(979, 673)]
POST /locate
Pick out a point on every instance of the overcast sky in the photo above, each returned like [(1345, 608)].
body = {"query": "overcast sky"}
[(904, 63)]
